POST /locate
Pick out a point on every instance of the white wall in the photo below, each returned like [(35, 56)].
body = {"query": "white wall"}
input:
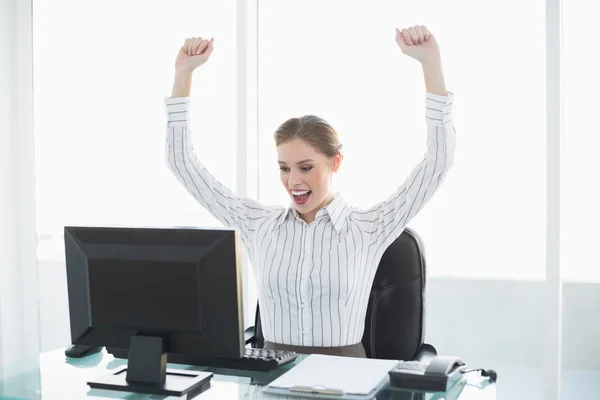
[(19, 298), (491, 322)]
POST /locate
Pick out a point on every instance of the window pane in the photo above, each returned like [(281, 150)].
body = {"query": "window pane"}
[(339, 60), (580, 196), (102, 70), (580, 192)]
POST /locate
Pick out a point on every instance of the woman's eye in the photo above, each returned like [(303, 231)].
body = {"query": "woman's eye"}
[(306, 169), (284, 169)]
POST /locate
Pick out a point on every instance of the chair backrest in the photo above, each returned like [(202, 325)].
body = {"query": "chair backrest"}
[(395, 320)]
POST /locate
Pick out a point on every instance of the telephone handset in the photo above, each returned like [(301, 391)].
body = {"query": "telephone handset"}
[(444, 365)]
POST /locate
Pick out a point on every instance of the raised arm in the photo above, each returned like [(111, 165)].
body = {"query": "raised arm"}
[(230, 209), (391, 216)]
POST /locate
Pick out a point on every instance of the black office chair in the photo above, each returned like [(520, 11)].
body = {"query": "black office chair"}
[(395, 321)]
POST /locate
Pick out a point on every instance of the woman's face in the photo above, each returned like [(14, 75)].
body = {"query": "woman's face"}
[(306, 175)]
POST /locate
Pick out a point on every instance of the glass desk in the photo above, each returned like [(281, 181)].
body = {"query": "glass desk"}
[(51, 376)]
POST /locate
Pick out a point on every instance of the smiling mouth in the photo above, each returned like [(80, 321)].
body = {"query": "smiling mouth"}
[(301, 196)]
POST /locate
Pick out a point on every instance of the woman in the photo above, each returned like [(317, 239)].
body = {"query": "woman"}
[(314, 261)]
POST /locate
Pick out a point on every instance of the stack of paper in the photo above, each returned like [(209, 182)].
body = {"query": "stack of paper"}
[(334, 375)]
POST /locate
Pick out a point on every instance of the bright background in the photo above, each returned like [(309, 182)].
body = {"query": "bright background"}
[(102, 69)]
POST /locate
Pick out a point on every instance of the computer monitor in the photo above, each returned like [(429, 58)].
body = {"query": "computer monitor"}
[(152, 291)]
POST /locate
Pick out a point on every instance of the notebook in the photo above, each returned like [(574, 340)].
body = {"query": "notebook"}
[(334, 376)]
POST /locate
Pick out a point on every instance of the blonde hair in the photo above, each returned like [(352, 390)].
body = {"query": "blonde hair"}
[(314, 130)]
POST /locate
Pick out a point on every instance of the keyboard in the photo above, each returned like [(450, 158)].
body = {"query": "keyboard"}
[(253, 360)]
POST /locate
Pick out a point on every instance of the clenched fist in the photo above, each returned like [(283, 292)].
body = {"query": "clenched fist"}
[(417, 42), (193, 53)]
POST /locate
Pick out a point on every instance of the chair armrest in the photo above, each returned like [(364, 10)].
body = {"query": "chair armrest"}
[(250, 335), (426, 353)]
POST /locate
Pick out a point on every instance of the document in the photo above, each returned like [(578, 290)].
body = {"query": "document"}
[(335, 375)]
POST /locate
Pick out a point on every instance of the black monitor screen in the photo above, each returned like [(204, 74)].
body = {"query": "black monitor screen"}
[(175, 302)]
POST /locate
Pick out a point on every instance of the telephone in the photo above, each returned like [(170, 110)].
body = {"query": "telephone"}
[(441, 374)]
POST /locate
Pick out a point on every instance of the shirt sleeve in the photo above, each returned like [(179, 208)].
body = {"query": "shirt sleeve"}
[(391, 216), (228, 208)]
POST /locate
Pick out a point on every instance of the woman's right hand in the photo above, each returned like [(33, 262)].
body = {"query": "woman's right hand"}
[(194, 52)]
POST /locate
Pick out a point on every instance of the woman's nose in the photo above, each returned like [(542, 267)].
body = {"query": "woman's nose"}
[(294, 179)]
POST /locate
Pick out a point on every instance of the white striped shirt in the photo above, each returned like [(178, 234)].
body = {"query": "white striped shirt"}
[(314, 279)]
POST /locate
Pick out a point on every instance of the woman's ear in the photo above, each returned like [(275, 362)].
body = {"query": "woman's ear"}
[(336, 161)]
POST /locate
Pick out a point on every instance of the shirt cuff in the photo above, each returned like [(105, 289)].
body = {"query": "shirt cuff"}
[(438, 108), (177, 109)]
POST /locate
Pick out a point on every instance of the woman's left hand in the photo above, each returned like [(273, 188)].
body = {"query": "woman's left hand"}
[(417, 42)]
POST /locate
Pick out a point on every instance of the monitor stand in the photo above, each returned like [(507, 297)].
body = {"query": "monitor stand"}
[(146, 372)]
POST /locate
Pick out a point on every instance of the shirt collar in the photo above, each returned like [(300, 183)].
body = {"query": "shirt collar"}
[(337, 211)]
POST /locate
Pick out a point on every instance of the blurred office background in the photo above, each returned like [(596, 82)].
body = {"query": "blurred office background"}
[(509, 287)]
